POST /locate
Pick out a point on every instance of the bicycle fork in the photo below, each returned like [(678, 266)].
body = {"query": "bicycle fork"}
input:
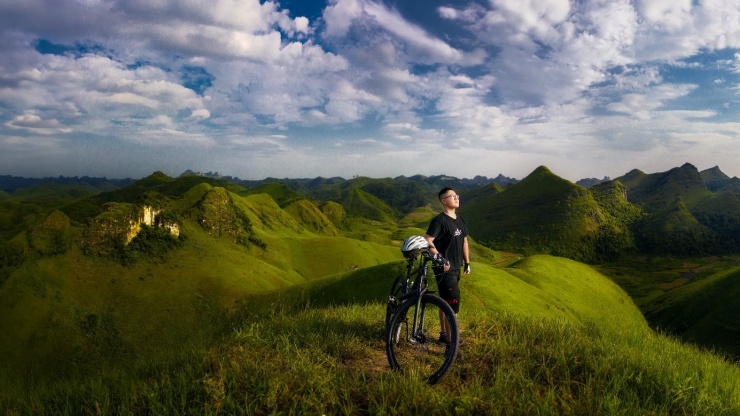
[(417, 329)]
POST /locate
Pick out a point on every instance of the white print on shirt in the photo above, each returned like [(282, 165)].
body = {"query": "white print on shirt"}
[(458, 232)]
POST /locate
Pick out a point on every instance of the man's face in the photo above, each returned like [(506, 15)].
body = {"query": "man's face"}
[(450, 199)]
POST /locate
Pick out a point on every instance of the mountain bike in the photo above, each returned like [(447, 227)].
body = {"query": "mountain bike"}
[(413, 325)]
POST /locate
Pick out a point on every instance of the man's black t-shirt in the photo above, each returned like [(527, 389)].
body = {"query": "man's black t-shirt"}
[(449, 234)]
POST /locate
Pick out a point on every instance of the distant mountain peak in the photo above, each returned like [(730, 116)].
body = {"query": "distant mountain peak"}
[(714, 173), (541, 169)]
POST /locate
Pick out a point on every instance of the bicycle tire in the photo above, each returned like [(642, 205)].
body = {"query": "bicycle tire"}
[(398, 289), (422, 355)]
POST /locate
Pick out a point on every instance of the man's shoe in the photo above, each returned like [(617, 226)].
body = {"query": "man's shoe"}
[(443, 338)]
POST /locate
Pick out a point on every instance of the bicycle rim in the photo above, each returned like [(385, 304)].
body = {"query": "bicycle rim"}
[(418, 353), (393, 300)]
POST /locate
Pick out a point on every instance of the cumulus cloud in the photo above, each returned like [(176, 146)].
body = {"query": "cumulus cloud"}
[(642, 105), (421, 46), (32, 122), (519, 81)]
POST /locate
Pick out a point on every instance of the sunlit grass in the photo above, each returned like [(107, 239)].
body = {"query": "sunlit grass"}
[(332, 361)]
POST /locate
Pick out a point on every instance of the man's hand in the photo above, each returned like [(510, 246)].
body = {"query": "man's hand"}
[(441, 261), (467, 268)]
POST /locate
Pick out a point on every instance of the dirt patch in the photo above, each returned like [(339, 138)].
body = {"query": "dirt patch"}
[(702, 268), (373, 362), (674, 284)]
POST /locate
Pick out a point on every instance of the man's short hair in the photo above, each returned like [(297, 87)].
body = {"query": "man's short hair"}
[(444, 191)]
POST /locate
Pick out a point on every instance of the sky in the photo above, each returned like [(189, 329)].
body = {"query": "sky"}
[(378, 88)]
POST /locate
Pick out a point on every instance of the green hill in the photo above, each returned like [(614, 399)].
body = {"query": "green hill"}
[(659, 189), (67, 310), (718, 181), (254, 307), (683, 216), (615, 234), (706, 312), (545, 333), (310, 216), (26, 206), (541, 214), (714, 178), (400, 195), (17, 216), (478, 194), (283, 195), (335, 213), (359, 203), (156, 186)]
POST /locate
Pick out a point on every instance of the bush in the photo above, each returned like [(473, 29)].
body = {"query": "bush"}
[(152, 242), (11, 256)]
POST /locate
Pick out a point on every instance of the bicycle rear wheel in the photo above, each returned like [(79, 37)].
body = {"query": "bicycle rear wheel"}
[(412, 342), (394, 299)]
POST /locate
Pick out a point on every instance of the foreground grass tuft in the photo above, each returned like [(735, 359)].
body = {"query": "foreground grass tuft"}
[(332, 361)]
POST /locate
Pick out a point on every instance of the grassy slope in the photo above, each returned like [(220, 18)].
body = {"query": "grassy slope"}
[(544, 335), (311, 217), (280, 193), (533, 346), (676, 198), (71, 309), (706, 311), (359, 203), (542, 213)]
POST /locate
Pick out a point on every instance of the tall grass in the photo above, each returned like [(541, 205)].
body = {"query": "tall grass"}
[(332, 361)]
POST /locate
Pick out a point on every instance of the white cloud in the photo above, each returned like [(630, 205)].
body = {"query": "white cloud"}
[(505, 82), (301, 25), (200, 114), (643, 105), (32, 122), (670, 14), (448, 12), (421, 46)]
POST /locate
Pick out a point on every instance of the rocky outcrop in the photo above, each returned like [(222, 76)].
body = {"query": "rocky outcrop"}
[(120, 223)]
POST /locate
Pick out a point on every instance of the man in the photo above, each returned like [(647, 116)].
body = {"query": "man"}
[(448, 237)]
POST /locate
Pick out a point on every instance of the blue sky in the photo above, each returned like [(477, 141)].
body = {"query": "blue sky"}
[(368, 87)]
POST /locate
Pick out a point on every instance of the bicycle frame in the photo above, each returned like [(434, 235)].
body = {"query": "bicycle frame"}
[(419, 287), (410, 339)]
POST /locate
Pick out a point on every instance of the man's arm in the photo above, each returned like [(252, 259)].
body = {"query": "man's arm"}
[(434, 252), (430, 240), (466, 256)]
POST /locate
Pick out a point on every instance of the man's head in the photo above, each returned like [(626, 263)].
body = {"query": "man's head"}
[(449, 198)]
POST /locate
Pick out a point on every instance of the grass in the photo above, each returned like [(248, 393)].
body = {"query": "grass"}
[(331, 361), (219, 328), (694, 298)]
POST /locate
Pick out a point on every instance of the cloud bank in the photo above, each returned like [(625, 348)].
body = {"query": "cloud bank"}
[(251, 89)]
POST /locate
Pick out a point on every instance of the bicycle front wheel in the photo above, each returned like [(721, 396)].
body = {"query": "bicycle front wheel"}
[(398, 289), (412, 342)]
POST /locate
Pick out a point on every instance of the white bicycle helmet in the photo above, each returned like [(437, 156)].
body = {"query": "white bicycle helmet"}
[(412, 246)]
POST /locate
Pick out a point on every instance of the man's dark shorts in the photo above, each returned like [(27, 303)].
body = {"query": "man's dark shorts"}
[(449, 289)]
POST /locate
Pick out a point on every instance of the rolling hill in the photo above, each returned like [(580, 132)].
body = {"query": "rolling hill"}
[(83, 306), (282, 194), (172, 323), (684, 216), (706, 312), (717, 181), (541, 214)]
